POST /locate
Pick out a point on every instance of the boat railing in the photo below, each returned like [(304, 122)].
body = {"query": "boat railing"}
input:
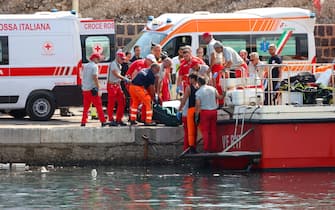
[(263, 88)]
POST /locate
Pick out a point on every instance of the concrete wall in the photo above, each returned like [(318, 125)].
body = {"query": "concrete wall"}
[(89, 145), (324, 38)]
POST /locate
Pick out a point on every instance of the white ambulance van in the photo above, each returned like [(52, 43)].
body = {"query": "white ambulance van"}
[(251, 29), (41, 59)]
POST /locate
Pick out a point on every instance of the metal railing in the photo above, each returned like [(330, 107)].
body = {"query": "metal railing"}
[(265, 79)]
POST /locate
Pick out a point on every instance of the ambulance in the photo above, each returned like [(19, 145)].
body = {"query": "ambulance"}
[(41, 56), (251, 29)]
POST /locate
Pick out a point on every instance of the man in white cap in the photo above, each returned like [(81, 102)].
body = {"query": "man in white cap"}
[(138, 65), (135, 68)]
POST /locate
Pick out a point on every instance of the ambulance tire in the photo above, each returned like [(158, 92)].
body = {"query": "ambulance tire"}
[(18, 114), (41, 106)]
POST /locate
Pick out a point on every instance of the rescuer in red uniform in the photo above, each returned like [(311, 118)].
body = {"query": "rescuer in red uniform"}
[(90, 87)]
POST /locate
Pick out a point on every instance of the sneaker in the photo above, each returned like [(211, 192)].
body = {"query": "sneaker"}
[(112, 123), (150, 124), (94, 118), (133, 122), (121, 123), (104, 124), (83, 125)]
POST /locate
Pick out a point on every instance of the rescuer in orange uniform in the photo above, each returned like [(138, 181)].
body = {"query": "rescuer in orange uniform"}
[(189, 97), (142, 90)]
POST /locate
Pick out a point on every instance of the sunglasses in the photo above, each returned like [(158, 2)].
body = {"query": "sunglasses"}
[(185, 52)]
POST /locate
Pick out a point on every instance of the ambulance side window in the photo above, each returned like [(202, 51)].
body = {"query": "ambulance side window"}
[(173, 45), (96, 44), (235, 41), (4, 51), (296, 48)]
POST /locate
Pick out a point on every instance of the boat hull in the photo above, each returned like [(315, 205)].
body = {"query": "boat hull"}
[(283, 144)]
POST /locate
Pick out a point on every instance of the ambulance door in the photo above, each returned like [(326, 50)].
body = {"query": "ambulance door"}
[(6, 97), (105, 45), (172, 46)]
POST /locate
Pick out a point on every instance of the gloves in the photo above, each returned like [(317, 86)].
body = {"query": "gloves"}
[(179, 115), (197, 118), (156, 100), (178, 89), (126, 80), (94, 91)]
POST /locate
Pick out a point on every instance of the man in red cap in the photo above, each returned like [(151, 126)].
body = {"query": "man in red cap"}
[(114, 90), (209, 41), (90, 87)]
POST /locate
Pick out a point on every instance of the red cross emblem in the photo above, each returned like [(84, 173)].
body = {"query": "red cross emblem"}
[(97, 48), (48, 46)]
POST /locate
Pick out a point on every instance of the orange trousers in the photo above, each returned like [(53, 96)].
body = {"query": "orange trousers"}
[(191, 127), (139, 95)]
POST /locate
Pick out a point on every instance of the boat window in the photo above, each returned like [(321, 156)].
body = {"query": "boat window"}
[(145, 40), (3, 50)]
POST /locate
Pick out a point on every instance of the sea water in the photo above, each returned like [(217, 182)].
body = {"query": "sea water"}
[(164, 187)]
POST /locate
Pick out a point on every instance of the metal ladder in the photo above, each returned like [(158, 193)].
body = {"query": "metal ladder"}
[(242, 134)]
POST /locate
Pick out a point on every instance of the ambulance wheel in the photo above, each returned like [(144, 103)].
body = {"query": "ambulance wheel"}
[(41, 106), (18, 114)]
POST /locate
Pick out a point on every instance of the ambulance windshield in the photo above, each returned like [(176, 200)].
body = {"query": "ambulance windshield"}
[(144, 40)]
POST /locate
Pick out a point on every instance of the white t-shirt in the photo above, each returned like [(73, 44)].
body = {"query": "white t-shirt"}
[(114, 66), (253, 73), (207, 96), (175, 64), (231, 55), (89, 70)]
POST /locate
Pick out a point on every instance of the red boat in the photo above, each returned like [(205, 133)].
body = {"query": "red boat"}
[(276, 137), (293, 135)]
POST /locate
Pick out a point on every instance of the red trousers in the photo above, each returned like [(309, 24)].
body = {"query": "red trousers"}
[(207, 126), (88, 99), (115, 93), (217, 68), (165, 89)]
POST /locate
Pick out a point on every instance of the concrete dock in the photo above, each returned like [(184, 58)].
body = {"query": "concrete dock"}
[(61, 141)]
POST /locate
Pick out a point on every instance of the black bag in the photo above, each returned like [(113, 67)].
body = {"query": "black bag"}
[(165, 115), (303, 77), (310, 95), (94, 91)]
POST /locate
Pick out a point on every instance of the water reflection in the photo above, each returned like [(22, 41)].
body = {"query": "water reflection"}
[(165, 188)]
